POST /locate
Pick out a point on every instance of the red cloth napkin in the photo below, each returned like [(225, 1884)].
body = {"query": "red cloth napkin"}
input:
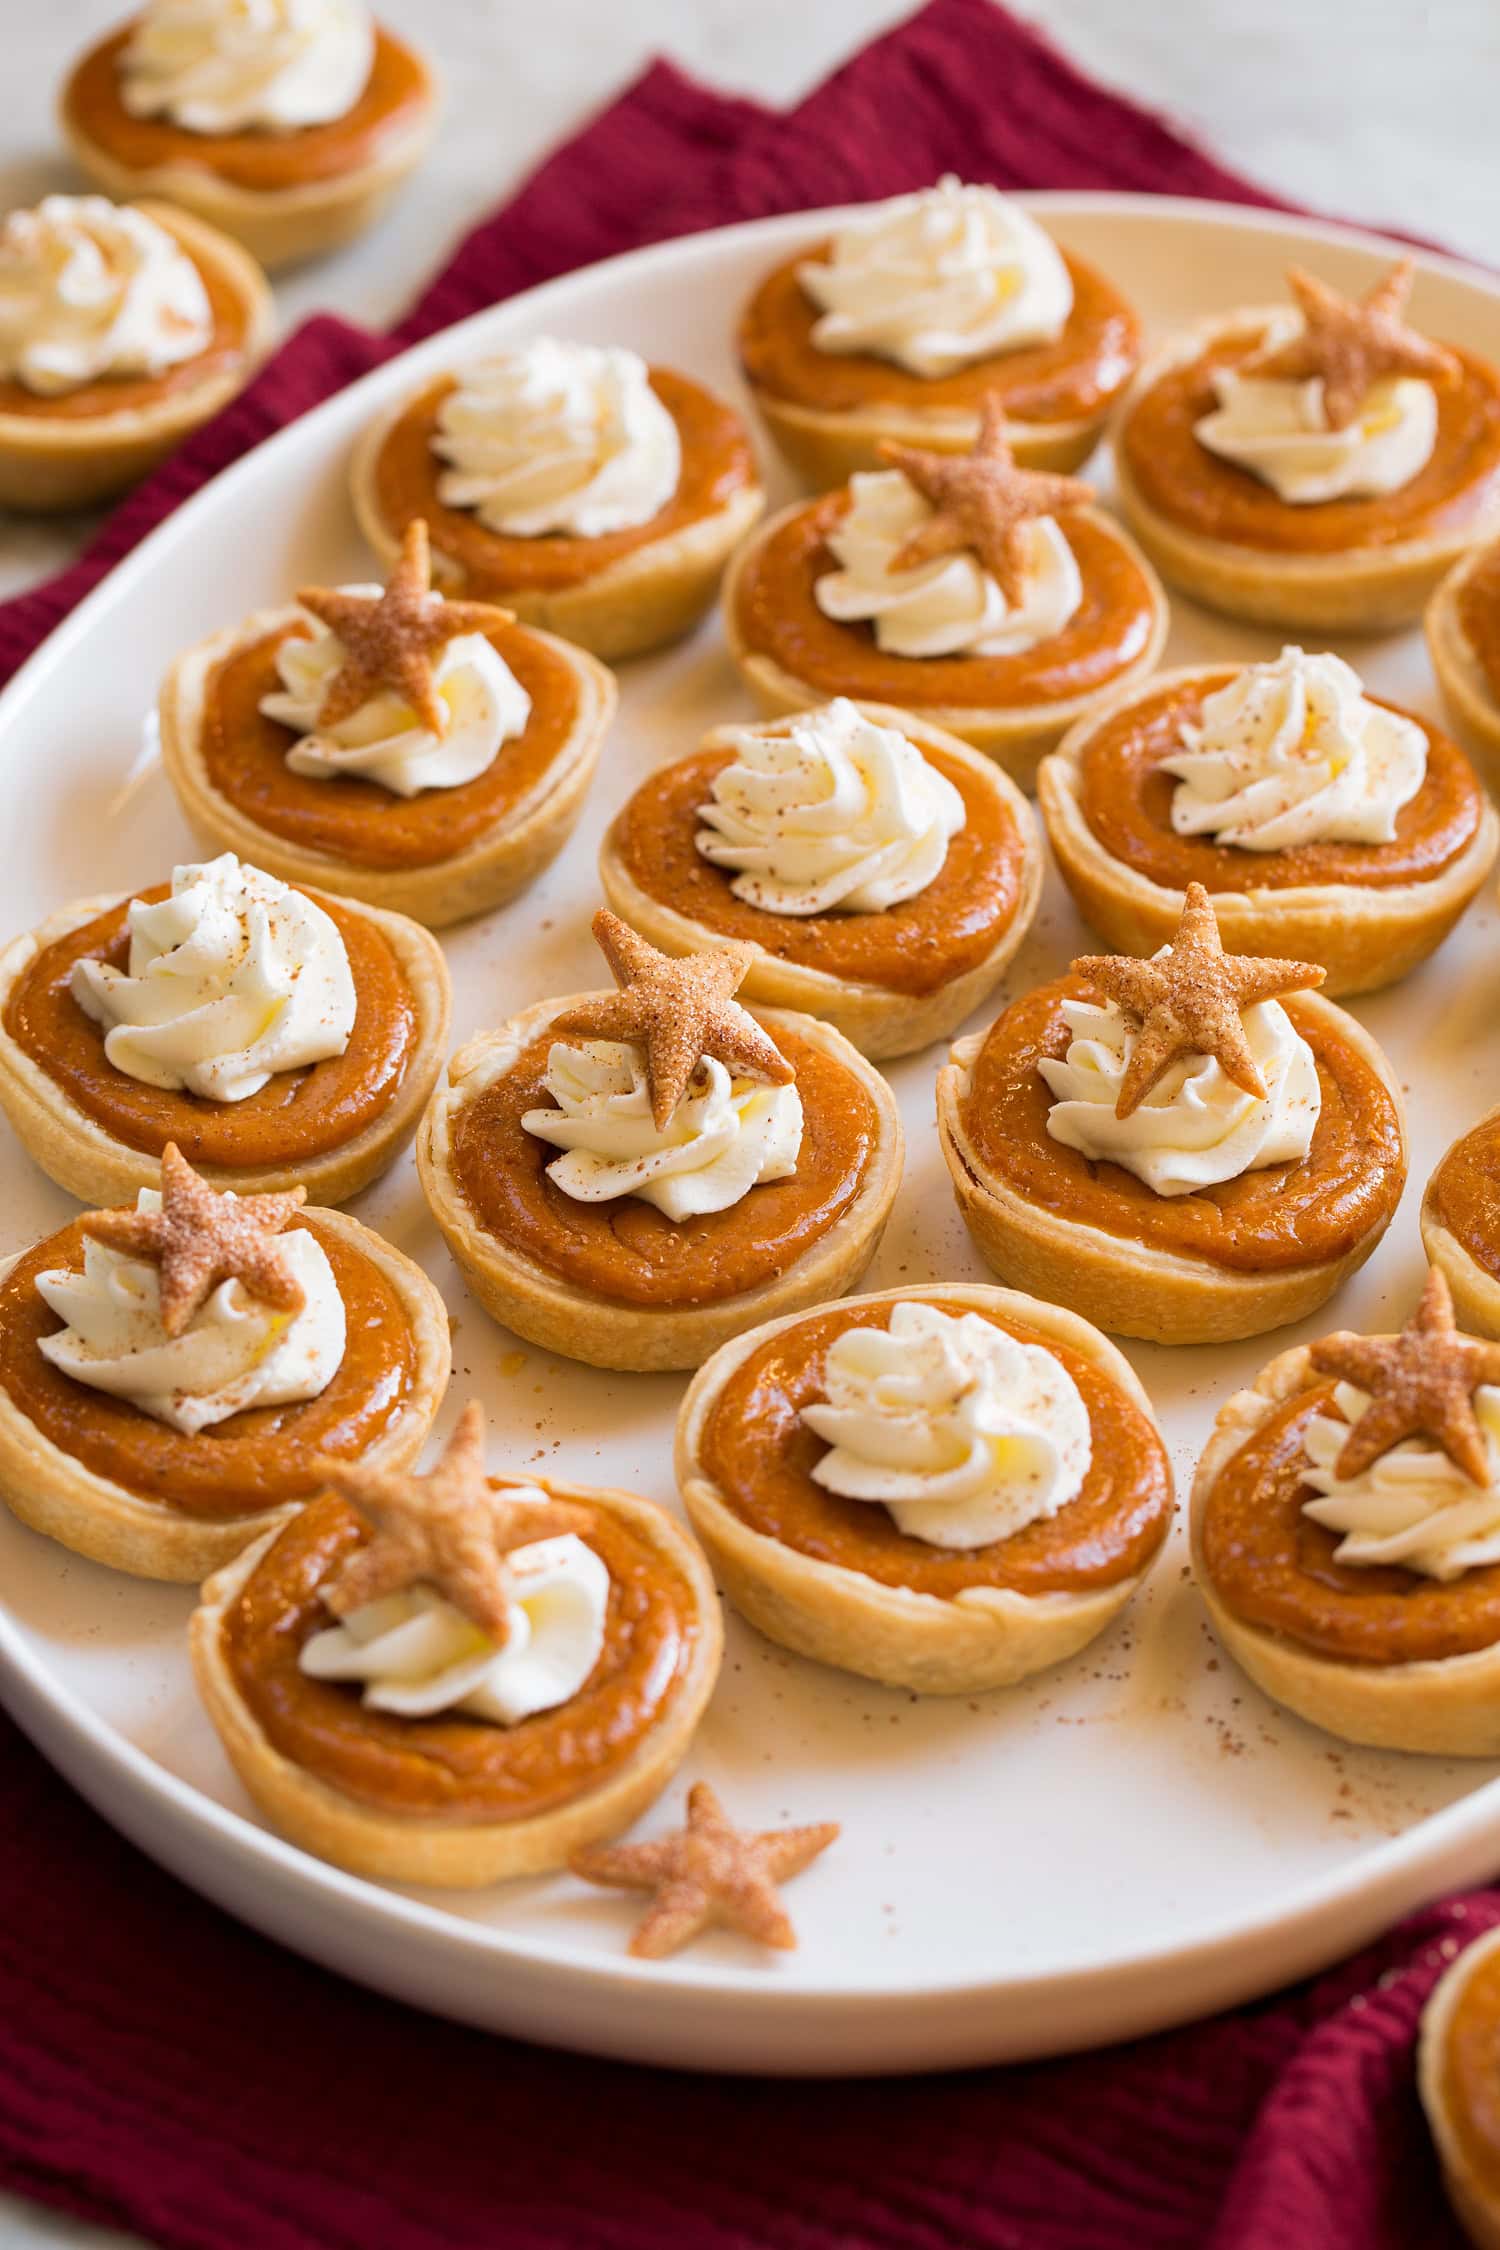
[(166, 2069)]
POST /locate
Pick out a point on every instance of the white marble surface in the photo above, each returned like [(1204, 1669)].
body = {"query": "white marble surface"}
[(1384, 113)]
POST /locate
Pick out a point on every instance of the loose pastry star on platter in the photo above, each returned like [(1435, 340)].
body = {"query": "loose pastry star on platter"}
[(588, 492), (1188, 1148), (175, 1373), (993, 600), (420, 753), (1317, 466), (1324, 823), (1346, 1533), (453, 1678), (945, 1490), (883, 872), (1458, 2076), (628, 1177)]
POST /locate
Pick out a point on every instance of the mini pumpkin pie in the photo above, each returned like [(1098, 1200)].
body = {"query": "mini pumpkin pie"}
[(992, 600), (945, 1491), (456, 1679), (629, 1177), (1463, 639), (1323, 823), (418, 753), (172, 1373), (883, 872), (1346, 1534), (901, 324), (289, 124), (588, 492), (1191, 1148), (1319, 467), (1458, 2077), (279, 1036), (122, 328), (1461, 1224)]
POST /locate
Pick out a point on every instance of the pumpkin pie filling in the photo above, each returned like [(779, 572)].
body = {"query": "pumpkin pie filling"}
[(916, 946), (717, 464), (778, 617), (1479, 616), (121, 394), (298, 1114), (1268, 1221), (454, 1768), (252, 1461), (244, 758), (397, 95), (1465, 1193), (760, 1455), (1198, 492), (1126, 799), (1275, 1569), (1075, 376), (628, 1252), (1469, 2071)]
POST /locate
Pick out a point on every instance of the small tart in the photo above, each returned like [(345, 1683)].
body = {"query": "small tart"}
[(1012, 707), (616, 594), (618, 1284), (285, 195), (829, 412), (1461, 1224), (331, 1128), (73, 448), (1224, 1262), (441, 856), (837, 1580), (1463, 639), (891, 981), (1458, 2071), (454, 1800), (1368, 912), (1226, 539), (108, 1481)]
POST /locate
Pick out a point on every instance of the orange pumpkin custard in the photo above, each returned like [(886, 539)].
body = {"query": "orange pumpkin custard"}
[(1463, 639), (1461, 1224), (1458, 2075)]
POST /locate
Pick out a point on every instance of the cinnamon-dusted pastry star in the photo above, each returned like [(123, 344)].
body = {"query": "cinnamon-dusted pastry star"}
[(980, 500), (1318, 467), (1346, 1533), (708, 1875), (628, 1177), (420, 753), (1458, 2077), (1461, 1224), (1189, 1148), (455, 1679), (178, 1376)]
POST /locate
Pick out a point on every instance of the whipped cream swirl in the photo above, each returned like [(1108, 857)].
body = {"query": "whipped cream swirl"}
[(1196, 1128), (1292, 752), (233, 978), (556, 437), (1278, 429), (828, 809), (417, 1654), (937, 280), (724, 1137), (950, 606), (1413, 1507), (964, 1433), (234, 1353), (239, 66), (90, 288), (384, 741)]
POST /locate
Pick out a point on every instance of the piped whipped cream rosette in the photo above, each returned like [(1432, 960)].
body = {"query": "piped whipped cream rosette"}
[(237, 66), (91, 289), (1413, 1507)]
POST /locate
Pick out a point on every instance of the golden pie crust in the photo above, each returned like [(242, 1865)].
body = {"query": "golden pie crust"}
[(94, 1515), (1457, 2052), (1365, 936), (461, 1855), (501, 863), (880, 1021), (1467, 694), (1475, 1286), (53, 461), (935, 1644)]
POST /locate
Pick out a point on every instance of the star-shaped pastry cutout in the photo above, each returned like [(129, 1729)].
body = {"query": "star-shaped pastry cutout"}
[(450, 1530), (1190, 999), (710, 1873), (201, 1237), (1421, 1384), (1351, 342), (679, 1011), (981, 502), (392, 640)]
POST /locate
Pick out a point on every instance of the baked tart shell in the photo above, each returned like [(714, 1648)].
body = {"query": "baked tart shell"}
[(1475, 2203), (1466, 692)]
